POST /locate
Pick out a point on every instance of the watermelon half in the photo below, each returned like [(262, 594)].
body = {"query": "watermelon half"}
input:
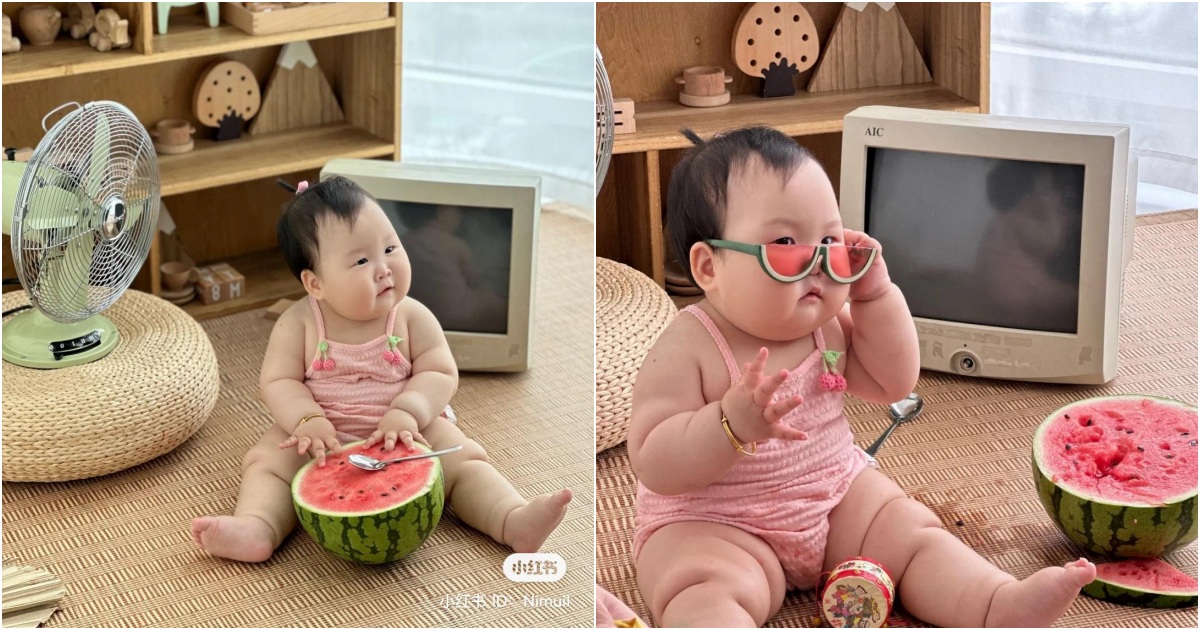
[(1118, 474), (1148, 582), (370, 517)]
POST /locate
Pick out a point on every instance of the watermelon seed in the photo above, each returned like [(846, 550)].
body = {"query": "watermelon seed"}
[(1141, 449), (1185, 434), (341, 497), (1068, 416), (384, 494), (360, 491), (1193, 442), (1089, 422), (959, 523), (1170, 457), (1068, 447), (1129, 430)]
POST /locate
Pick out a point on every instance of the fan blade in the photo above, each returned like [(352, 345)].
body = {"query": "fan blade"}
[(99, 177), (64, 279), (49, 206)]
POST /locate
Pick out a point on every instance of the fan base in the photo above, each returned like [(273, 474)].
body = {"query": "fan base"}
[(35, 341)]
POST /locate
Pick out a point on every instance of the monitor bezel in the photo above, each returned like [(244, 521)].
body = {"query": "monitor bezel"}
[(1102, 149), (515, 191)]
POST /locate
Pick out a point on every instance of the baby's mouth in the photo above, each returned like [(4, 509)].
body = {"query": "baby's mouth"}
[(814, 292), (383, 292)]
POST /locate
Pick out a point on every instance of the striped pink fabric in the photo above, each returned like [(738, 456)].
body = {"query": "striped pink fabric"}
[(785, 493), (362, 384)]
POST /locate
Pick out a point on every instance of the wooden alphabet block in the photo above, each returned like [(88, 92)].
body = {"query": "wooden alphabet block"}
[(623, 112), (219, 282)]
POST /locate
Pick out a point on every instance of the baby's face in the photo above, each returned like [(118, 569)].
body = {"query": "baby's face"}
[(363, 270), (762, 208)]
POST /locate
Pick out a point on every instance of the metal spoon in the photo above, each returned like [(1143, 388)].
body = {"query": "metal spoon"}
[(901, 412), (366, 462)]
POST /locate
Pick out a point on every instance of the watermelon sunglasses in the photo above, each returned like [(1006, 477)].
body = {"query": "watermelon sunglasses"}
[(791, 263)]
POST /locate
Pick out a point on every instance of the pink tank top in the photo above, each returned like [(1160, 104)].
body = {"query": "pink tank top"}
[(787, 483), (358, 388)]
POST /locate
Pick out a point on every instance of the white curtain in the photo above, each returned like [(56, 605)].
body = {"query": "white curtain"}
[(502, 85), (1132, 63)]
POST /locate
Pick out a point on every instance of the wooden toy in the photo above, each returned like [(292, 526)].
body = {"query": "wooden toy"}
[(704, 86), (226, 97), (211, 11), (858, 593), (11, 43), (297, 94), (266, 18), (173, 136), (111, 32), (81, 19), (892, 58), (40, 23), (175, 275), (623, 121), (219, 282), (775, 41)]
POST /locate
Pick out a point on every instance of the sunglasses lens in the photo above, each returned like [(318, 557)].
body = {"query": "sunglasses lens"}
[(789, 260), (849, 262)]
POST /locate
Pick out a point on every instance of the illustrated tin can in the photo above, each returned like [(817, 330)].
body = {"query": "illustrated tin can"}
[(858, 593)]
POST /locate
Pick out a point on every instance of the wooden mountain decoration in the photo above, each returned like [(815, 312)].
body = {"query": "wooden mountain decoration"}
[(297, 94), (870, 46)]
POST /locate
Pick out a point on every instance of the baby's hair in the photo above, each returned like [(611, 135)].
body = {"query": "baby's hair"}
[(696, 198), (296, 231)]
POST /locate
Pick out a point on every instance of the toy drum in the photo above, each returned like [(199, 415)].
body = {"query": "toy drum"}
[(857, 594)]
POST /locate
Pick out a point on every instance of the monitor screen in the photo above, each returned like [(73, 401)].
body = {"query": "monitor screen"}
[(979, 240), (461, 258)]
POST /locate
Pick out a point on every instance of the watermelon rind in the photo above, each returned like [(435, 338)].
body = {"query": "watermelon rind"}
[(1129, 595), (1116, 530), (376, 538)]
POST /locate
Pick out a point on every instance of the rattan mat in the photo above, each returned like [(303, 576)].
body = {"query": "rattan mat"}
[(967, 456), (121, 544)]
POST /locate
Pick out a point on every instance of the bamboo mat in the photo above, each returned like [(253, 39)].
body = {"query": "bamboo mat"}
[(967, 456), (121, 544)]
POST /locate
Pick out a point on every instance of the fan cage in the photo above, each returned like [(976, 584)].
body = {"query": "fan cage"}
[(604, 121), (86, 211)]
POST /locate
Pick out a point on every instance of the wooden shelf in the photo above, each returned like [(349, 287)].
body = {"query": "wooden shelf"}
[(255, 157), (267, 280), (659, 122), (187, 37)]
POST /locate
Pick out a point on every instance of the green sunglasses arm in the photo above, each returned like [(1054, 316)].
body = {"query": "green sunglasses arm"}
[(745, 248)]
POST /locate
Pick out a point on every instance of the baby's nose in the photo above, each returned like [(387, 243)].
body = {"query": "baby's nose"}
[(384, 272)]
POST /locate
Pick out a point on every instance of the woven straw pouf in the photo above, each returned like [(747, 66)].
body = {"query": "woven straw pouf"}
[(631, 312), (142, 400)]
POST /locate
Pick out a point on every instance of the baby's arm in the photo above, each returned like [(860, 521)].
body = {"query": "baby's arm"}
[(882, 358), (434, 374), (281, 382), (676, 442)]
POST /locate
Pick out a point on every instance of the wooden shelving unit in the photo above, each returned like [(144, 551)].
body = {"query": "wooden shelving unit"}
[(221, 195), (646, 45)]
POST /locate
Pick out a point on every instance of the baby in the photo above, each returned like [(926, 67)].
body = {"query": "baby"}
[(359, 359), (749, 481)]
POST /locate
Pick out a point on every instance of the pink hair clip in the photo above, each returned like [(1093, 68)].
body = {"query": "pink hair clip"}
[(301, 187)]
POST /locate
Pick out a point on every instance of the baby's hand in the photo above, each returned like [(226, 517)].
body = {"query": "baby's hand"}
[(395, 425), (315, 437), (876, 281), (748, 407)]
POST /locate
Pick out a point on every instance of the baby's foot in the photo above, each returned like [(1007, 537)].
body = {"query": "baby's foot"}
[(242, 538), (1040, 599), (528, 526)]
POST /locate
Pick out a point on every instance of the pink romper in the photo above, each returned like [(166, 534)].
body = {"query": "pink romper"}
[(359, 388), (784, 494)]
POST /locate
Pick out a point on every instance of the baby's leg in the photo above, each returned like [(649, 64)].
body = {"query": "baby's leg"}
[(694, 574), (941, 580), (264, 515), (485, 500)]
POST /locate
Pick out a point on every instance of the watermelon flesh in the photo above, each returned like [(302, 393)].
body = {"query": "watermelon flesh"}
[(370, 516), (1118, 474), (1129, 451), (1146, 582)]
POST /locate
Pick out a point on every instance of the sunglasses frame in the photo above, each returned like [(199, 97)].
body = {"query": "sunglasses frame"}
[(822, 251)]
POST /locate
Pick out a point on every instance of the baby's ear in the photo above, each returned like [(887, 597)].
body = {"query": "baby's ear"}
[(700, 258), (311, 283)]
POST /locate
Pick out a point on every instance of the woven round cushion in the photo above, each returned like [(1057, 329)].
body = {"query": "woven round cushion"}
[(146, 397), (631, 312)]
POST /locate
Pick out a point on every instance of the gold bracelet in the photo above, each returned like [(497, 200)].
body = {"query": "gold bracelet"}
[(306, 419), (734, 441)]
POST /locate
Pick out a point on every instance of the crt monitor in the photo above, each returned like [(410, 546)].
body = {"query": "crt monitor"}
[(1008, 236), (471, 236)]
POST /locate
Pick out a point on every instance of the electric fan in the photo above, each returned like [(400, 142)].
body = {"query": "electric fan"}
[(604, 121), (81, 220)]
